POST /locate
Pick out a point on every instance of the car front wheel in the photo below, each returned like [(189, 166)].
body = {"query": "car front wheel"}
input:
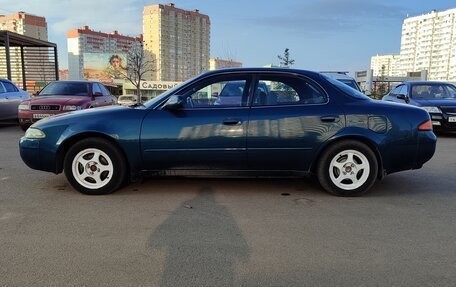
[(95, 166), (348, 168)]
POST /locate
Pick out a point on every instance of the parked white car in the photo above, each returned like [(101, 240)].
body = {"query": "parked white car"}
[(10, 98), (128, 100)]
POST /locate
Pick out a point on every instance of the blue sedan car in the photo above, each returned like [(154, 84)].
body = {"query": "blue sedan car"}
[(437, 98), (246, 122)]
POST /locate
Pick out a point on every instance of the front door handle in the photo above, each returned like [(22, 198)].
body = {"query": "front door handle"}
[(232, 122), (330, 119)]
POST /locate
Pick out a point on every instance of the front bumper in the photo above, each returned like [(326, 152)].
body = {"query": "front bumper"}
[(30, 117), (30, 152), (441, 122)]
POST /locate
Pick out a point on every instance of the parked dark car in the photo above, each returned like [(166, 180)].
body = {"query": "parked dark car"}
[(285, 122), (10, 98), (61, 97), (437, 98)]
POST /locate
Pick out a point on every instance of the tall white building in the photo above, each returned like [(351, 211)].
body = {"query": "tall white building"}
[(91, 52), (428, 42), (386, 65)]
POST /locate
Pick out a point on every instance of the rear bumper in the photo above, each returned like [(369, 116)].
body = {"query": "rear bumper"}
[(427, 142)]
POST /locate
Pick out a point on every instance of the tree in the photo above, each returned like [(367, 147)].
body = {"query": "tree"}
[(381, 89), (138, 65), (285, 60)]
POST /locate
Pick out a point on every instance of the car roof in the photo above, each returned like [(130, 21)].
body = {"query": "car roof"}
[(426, 83), (260, 70), (77, 81)]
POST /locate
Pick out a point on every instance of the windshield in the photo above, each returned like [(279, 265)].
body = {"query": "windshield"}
[(434, 92), (65, 89), (350, 83), (346, 89)]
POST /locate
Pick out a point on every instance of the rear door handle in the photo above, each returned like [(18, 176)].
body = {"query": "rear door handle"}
[(330, 119), (232, 122)]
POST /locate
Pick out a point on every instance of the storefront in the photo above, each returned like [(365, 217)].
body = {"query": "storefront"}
[(150, 89)]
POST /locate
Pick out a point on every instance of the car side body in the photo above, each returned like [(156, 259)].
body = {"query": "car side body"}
[(46, 105), (10, 98), (438, 98), (169, 135)]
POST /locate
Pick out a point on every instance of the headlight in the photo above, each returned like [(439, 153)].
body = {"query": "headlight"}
[(24, 107), (71, 108), (434, 110), (34, 133)]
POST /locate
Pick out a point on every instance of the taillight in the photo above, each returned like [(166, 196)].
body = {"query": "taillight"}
[(426, 126)]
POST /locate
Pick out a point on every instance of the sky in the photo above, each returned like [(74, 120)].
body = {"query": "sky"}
[(321, 34)]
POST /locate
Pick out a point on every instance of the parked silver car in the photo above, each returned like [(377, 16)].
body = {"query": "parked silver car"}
[(10, 98)]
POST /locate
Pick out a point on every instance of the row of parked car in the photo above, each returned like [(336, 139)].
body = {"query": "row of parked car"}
[(437, 98), (55, 98)]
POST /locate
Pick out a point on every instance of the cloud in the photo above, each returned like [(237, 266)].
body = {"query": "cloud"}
[(328, 16)]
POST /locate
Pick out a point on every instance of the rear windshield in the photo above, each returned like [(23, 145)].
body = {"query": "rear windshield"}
[(350, 83), (65, 89), (346, 89)]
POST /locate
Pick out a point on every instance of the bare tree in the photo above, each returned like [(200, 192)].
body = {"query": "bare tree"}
[(285, 60), (138, 65)]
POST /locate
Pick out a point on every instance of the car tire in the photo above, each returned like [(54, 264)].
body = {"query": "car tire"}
[(347, 168), (94, 166)]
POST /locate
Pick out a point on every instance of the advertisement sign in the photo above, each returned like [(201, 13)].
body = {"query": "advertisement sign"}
[(99, 66)]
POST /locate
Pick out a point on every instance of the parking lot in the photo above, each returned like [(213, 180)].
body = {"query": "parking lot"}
[(227, 232)]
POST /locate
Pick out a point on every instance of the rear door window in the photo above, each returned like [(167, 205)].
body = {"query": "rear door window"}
[(277, 90)]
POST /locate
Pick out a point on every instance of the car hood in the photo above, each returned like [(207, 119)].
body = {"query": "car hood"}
[(435, 103), (60, 100)]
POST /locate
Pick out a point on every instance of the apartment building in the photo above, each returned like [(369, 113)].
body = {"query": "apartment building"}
[(28, 25), (428, 43), (177, 40), (91, 52), (217, 64), (25, 24), (386, 65)]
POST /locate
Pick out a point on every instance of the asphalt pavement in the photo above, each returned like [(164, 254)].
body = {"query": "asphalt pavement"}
[(227, 232)]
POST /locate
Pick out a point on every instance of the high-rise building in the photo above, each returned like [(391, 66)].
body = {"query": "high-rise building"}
[(428, 43), (25, 24), (90, 53), (177, 41), (385, 65), (217, 64)]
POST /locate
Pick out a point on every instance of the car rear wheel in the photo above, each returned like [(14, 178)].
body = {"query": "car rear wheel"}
[(348, 168), (95, 166)]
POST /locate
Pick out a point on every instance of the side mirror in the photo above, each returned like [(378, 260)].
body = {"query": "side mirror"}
[(36, 93), (98, 94), (405, 98), (175, 102), (215, 94)]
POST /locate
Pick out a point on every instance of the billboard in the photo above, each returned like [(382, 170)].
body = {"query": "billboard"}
[(97, 66)]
